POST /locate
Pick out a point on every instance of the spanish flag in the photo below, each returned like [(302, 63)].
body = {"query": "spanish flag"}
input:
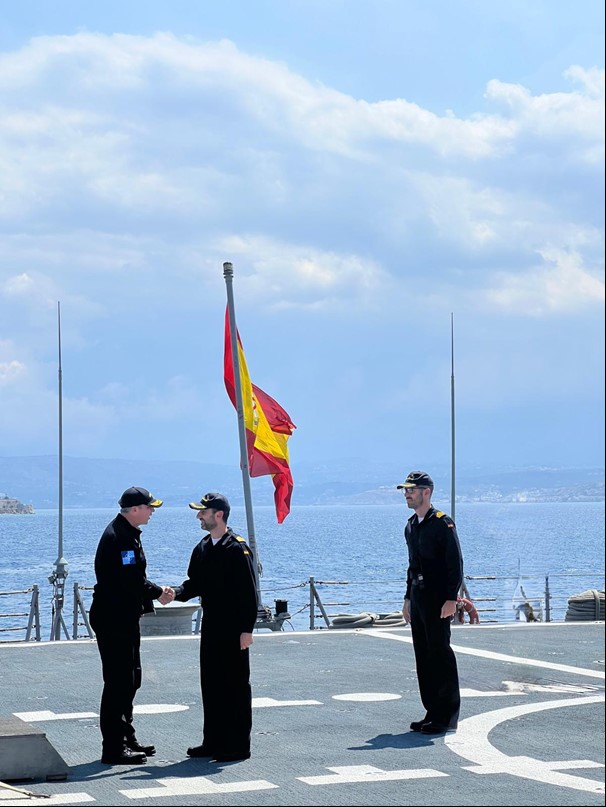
[(268, 428)]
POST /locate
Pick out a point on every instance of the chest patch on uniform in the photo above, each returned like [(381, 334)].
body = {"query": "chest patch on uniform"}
[(128, 557)]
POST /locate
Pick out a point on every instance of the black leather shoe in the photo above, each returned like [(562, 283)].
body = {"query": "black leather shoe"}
[(124, 757), (199, 751), (417, 725), (435, 728), (237, 757), (148, 750)]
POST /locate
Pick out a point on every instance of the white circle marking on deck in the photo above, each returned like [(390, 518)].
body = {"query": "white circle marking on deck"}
[(471, 742), (367, 696)]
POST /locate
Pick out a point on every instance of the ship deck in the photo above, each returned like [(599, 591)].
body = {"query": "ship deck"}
[(330, 721)]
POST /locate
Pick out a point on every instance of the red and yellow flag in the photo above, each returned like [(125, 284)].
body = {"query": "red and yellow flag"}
[(268, 428)]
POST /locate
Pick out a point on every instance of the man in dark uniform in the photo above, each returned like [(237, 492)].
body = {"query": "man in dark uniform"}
[(221, 572), (433, 581), (121, 595)]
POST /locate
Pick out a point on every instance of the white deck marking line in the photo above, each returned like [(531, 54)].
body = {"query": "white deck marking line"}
[(354, 774), (525, 688), (471, 742), (479, 693), (143, 709), (194, 786), (158, 708), (31, 717), (518, 687), (367, 697), (260, 703), (65, 798), (529, 662)]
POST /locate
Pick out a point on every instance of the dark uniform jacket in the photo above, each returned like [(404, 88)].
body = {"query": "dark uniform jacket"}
[(223, 576), (434, 555), (122, 592)]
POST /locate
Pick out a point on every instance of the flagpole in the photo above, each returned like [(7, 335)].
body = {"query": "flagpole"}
[(463, 591), (228, 274), (452, 421), (57, 578)]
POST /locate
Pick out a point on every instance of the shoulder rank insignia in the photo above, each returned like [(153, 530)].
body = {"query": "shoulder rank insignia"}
[(242, 541), (440, 514)]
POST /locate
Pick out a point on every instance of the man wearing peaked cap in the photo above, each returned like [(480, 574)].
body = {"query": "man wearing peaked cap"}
[(122, 594), (132, 497), (433, 581), (216, 501), (417, 479), (221, 573)]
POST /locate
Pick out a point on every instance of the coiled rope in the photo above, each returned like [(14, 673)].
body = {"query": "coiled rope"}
[(365, 619), (586, 607)]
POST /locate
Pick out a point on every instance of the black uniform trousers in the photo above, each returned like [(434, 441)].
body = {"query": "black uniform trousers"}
[(119, 649), (226, 691), (436, 663)]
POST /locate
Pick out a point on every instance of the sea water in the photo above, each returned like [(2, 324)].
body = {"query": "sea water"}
[(356, 554)]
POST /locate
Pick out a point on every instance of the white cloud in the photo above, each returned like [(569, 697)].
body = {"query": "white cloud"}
[(560, 284), (302, 277), (91, 99), (19, 285), (9, 371), (134, 166), (592, 80), (126, 147), (576, 117)]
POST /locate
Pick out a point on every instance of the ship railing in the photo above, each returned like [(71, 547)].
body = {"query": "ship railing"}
[(375, 612), (343, 603), (517, 598), (80, 615), (33, 616), (380, 611), (81, 610), (497, 598)]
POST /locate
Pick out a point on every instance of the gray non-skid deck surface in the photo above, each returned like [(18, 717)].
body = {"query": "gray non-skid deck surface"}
[(330, 721)]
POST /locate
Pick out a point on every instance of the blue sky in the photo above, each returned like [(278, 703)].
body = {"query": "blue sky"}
[(369, 168)]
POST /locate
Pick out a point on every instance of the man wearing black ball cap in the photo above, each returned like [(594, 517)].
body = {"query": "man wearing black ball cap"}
[(121, 596), (433, 581), (221, 573)]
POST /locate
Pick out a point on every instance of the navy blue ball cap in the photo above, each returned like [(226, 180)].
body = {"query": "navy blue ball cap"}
[(133, 497), (212, 501), (417, 479)]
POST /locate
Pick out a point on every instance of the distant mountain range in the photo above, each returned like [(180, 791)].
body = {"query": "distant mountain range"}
[(99, 482)]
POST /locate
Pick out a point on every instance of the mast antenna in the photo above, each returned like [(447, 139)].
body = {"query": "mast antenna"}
[(57, 578), (452, 422)]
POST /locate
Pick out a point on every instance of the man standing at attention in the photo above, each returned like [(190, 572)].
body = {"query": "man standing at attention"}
[(433, 581), (221, 572), (121, 595)]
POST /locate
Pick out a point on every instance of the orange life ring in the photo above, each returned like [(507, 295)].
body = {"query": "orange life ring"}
[(465, 606)]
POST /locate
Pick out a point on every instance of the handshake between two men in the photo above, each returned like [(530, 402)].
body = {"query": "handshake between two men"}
[(168, 595)]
